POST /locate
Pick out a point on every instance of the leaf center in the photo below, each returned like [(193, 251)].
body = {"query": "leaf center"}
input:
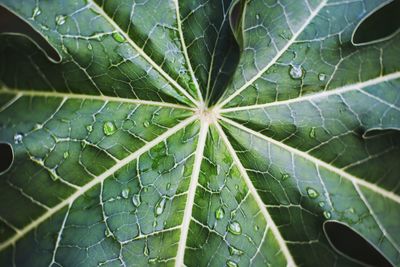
[(206, 114)]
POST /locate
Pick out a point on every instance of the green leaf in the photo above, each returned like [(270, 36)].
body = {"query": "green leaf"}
[(197, 133)]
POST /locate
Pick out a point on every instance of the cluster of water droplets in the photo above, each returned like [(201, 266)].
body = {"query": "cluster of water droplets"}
[(18, 137), (297, 72), (60, 19)]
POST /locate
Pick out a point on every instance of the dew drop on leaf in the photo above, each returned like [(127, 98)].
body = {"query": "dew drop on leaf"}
[(146, 124), (312, 193), (89, 128), (60, 20), (235, 228), (327, 214), (89, 46), (118, 37), (230, 263), (136, 200), (182, 71), (351, 210), (66, 154), (160, 205), (284, 176), (219, 213), (18, 138), (168, 186), (321, 204), (235, 251), (36, 12), (257, 16), (109, 128), (322, 77), (125, 193), (256, 228), (312, 132), (296, 72)]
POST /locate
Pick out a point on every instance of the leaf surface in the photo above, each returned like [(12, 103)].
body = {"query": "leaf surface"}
[(197, 133)]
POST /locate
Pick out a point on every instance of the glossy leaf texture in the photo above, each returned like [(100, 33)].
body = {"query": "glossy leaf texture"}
[(197, 133)]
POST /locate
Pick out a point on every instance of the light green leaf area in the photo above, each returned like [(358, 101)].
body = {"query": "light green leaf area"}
[(197, 133)]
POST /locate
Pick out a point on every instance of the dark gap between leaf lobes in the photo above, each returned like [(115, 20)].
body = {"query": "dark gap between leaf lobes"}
[(12, 24), (348, 242), (380, 25), (6, 157)]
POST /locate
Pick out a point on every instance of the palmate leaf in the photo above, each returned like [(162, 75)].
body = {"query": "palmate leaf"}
[(197, 133)]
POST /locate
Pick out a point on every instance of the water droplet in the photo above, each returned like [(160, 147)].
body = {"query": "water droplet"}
[(256, 228), (146, 250), (312, 132), (321, 204), (60, 19), (36, 12), (312, 193), (296, 72), (109, 128), (146, 124), (118, 37), (145, 189), (89, 128), (18, 138), (284, 176), (327, 215), (230, 263), (89, 46), (168, 186), (235, 228), (351, 210), (125, 193), (136, 200), (322, 77), (160, 205), (257, 16), (66, 154), (235, 251), (219, 213)]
